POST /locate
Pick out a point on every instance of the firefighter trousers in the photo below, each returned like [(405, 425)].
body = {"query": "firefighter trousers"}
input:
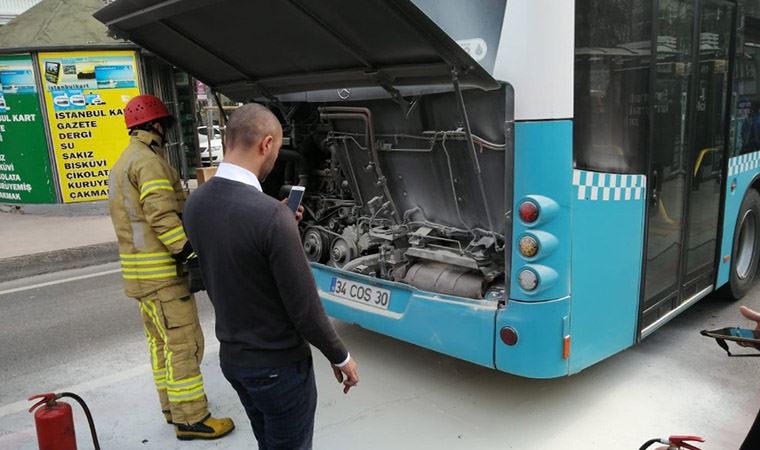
[(175, 343)]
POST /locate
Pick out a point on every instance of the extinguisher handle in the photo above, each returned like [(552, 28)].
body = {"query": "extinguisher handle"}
[(682, 441), (47, 398)]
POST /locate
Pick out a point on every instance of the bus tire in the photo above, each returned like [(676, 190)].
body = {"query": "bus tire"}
[(744, 255)]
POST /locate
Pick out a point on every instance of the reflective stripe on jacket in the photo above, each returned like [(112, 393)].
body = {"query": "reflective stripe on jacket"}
[(146, 200)]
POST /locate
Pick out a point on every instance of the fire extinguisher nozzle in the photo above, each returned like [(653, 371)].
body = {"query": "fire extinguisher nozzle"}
[(47, 398)]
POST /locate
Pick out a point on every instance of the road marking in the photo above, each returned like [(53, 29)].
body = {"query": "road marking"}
[(98, 383), (64, 280)]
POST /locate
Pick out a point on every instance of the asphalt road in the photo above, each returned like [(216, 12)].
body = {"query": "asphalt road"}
[(83, 335)]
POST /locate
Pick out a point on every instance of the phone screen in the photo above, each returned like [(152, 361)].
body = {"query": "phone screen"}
[(294, 199), (742, 333)]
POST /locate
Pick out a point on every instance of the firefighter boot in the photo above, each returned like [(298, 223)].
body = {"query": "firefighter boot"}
[(208, 428)]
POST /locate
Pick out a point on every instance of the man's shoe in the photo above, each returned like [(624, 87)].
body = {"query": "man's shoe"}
[(208, 428), (167, 416)]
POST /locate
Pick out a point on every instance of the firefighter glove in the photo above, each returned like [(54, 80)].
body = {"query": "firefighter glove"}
[(194, 280), (186, 253)]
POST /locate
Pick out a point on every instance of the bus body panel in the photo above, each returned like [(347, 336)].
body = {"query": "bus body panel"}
[(607, 248), (742, 170), (543, 171), (455, 326), (540, 327), (536, 55)]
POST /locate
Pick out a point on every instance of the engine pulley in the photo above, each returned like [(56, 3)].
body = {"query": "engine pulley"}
[(316, 244), (343, 251)]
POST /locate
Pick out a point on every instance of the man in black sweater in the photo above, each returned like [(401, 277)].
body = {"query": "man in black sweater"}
[(264, 296)]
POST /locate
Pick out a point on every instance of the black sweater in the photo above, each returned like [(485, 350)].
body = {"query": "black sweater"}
[(257, 277)]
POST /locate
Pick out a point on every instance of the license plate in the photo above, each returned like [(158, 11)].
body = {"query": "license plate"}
[(360, 293)]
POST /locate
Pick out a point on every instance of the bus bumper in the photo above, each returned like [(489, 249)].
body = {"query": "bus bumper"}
[(541, 328), (455, 326)]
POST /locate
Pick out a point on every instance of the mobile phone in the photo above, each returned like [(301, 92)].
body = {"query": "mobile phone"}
[(742, 333), (742, 336), (733, 334), (295, 197)]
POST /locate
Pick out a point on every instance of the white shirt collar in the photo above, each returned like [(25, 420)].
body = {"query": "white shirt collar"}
[(236, 173)]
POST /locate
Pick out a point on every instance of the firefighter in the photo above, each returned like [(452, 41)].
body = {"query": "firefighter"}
[(145, 201)]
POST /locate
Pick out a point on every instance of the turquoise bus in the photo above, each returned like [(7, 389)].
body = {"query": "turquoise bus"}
[(531, 185)]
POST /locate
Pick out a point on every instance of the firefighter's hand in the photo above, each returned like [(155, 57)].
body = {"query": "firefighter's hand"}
[(351, 378), (299, 211), (194, 280)]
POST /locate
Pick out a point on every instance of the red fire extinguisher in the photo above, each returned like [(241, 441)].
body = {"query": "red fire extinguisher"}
[(55, 422)]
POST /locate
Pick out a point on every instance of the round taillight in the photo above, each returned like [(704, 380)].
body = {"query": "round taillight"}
[(528, 211), (508, 335), (528, 246), (528, 280)]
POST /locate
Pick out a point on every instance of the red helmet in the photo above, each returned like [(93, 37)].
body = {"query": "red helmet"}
[(143, 109)]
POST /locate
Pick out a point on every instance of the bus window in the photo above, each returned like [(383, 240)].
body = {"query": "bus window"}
[(745, 117), (612, 69)]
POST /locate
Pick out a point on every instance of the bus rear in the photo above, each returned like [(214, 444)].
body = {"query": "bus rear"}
[(535, 225)]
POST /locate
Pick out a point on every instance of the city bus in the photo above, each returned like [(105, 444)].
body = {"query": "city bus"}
[(531, 185)]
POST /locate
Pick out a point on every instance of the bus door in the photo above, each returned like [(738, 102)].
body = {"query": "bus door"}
[(689, 96)]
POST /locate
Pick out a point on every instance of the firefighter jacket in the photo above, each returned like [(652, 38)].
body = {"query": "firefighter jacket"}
[(146, 200)]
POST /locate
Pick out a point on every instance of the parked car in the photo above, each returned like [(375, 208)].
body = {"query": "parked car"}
[(216, 156)]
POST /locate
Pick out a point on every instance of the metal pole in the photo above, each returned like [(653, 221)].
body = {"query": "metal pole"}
[(471, 145), (222, 120), (209, 123), (54, 175)]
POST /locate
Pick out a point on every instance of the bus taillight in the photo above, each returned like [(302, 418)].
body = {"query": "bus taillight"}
[(528, 280), (528, 211), (508, 335), (528, 246)]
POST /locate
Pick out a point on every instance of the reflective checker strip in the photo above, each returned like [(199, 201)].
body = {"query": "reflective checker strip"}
[(743, 163), (598, 186)]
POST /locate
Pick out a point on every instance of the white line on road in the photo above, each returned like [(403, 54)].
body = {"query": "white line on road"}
[(64, 280), (87, 386)]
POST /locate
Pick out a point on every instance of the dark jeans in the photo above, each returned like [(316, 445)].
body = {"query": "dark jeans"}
[(280, 403)]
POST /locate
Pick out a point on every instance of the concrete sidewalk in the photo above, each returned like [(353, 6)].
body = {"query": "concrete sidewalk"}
[(36, 244), (39, 239)]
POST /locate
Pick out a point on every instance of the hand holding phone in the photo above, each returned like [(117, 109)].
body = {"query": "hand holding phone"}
[(295, 197), (742, 336)]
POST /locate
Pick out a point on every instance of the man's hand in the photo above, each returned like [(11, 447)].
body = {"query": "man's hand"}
[(351, 375), (299, 211), (755, 317), (751, 315)]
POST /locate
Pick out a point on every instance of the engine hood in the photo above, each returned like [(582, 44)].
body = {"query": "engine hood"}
[(247, 49)]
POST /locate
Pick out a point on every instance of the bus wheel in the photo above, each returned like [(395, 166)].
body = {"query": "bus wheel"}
[(744, 257)]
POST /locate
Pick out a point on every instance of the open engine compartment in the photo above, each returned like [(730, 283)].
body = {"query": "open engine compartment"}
[(411, 185), (398, 193)]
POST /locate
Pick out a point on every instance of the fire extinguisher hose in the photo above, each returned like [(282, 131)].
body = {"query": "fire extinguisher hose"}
[(87, 413), (649, 443)]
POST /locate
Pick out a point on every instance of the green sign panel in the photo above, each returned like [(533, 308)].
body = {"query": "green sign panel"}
[(25, 175)]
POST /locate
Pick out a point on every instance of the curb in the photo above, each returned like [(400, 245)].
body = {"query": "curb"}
[(98, 208), (57, 260)]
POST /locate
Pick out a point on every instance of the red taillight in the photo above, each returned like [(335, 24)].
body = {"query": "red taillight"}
[(528, 211), (509, 335)]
